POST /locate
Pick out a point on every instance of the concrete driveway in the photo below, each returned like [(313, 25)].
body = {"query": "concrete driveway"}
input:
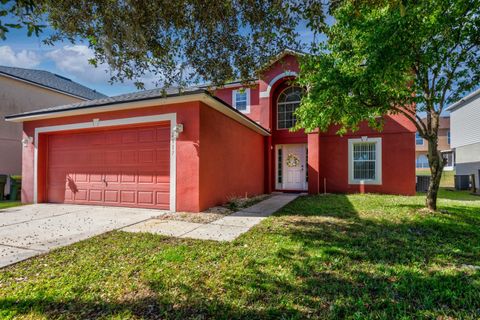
[(30, 230)]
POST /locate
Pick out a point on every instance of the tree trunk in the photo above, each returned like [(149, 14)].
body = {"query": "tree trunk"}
[(436, 163)]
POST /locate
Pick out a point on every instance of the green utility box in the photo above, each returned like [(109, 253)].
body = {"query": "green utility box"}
[(15, 187), (3, 182)]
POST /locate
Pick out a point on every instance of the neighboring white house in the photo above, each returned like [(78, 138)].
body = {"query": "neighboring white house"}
[(465, 135)]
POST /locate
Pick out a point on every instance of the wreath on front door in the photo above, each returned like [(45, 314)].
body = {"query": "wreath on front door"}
[(292, 160)]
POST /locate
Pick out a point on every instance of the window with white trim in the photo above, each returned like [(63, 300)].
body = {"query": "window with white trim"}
[(241, 100), (422, 162), (288, 101), (365, 161), (418, 139), (448, 136)]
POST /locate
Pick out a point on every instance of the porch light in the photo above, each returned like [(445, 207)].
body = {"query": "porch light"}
[(26, 141), (177, 130)]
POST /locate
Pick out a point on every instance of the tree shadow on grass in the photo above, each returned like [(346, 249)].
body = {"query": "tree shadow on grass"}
[(313, 260)]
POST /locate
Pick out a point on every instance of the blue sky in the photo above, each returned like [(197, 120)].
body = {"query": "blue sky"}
[(71, 61), (65, 59)]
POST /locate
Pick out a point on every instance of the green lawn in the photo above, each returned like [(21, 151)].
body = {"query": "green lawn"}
[(9, 204), (334, 257)]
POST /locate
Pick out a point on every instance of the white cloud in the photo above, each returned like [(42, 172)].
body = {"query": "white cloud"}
[(22, 59), (73, 61)]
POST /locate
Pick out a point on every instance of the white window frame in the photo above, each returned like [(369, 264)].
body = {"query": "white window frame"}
[(234, 99), (278, 114), (417, 162), (418, 144), (378, 161)]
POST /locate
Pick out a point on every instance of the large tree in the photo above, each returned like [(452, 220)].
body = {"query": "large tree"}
[(412, 58)]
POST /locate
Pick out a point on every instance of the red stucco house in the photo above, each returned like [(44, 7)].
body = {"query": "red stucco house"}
[(196, 149)]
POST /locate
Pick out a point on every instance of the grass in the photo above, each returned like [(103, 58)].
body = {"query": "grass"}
[(331, 257), (9, 204)]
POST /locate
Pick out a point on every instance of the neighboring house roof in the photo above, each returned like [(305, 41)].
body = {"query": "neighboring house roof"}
[(460, 103), (51, 81), (133, 100)]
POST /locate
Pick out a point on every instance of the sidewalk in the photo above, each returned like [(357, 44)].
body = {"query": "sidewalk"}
[(227, 228)]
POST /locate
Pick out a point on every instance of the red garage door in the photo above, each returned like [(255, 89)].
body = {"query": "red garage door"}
[(115, 167)]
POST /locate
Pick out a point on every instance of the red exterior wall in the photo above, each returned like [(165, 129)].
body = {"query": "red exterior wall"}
[(217, 157), (257, 113), (231, 159), (188, 163), (398, 154)]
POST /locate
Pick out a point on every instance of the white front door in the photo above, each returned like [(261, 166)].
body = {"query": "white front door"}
[(293, 167)]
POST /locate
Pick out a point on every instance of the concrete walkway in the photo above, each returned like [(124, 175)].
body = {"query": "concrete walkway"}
[(27, 231), (227, 228)]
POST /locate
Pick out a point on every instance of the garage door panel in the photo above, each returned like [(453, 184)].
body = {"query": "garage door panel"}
[(128, 157), (126, 167), (127, 196), (80, 195), (113, 138), (145, 197), (162, 198), (111, 196), (95, 195), (95, 177), (146, 135), (112, 157), (146, 178), (129, 137), (146, 156), (127, 177), (163, 134)]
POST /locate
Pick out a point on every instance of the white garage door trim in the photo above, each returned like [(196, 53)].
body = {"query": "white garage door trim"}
[(95, 123)]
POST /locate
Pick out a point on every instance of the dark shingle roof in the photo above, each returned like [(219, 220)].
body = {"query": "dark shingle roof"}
[(51, 80)]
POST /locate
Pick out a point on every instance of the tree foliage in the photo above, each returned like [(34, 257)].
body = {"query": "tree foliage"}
[(22, 13), (381, 58), (179, 41)]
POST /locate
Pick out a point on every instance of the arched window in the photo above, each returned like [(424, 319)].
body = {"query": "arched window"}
[(288, 102), (422, 161)]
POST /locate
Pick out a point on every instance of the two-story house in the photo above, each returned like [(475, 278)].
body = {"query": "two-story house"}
[(421, 147), (190, 149), (465, 128), (24, 90)]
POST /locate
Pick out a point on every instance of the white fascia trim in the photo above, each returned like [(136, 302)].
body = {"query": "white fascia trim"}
[(378, 162), (266, 93), (234, 99), (172, 117), (44, 87)]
